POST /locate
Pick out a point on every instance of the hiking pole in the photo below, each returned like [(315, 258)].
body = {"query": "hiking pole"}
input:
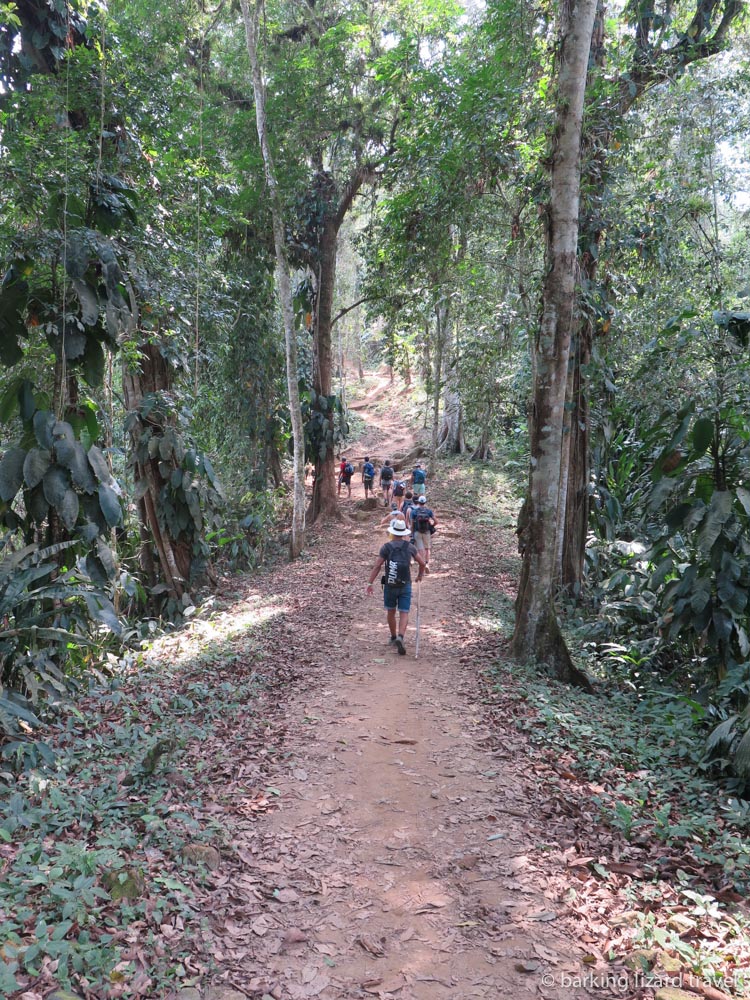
[(416, 641)]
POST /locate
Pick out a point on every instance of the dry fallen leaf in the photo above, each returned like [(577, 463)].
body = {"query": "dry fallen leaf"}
[(369, 945), (293, 936)]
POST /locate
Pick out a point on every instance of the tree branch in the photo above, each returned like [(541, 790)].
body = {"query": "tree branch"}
[(343, 312), (656, 66)]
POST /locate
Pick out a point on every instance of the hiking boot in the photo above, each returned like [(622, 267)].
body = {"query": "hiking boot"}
[(393, 640), (400, 645)]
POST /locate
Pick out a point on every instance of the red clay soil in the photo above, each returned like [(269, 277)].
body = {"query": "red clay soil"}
[(402, 857)]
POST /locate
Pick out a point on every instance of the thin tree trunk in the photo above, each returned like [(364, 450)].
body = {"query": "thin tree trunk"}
[(441, 320), (324, 500), (283, 281), (537, 633)]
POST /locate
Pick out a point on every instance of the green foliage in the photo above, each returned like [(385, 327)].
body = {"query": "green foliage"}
[(326, 424), (190, 495), (50, 616), (56, 469), (646, 755), (75, 825)]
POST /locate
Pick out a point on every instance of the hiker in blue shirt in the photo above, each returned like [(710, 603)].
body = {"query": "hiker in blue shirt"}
[(418, 479), (368, 476)]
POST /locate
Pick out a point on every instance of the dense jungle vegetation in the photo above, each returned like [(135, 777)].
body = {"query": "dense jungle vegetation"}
[(179, 294)]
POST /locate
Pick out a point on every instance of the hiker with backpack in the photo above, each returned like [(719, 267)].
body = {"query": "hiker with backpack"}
[(391, 516), (346, 471), (386, 482), (406, 507), (368, 476), (418, 479), (399, 489), (396, 557), (424, 525)]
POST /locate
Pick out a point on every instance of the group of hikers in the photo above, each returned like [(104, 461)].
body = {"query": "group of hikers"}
[(411, 525), (390, 486)]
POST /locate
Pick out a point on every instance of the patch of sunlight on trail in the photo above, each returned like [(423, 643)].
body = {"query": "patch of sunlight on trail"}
[(222, 627), (484, 624)]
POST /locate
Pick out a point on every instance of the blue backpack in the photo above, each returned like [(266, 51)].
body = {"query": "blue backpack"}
[(368, 470), (418, 476)]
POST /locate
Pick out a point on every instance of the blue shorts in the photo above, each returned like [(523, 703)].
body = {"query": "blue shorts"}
[(397, 597)]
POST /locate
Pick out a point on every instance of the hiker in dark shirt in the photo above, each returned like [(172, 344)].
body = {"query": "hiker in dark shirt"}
[(386, 482), (423, 525), (396, 555)]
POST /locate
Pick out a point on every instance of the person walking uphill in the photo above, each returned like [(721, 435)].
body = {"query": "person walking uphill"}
[(396, 556), (368, 476), (346, 471), (423, 523), (386, 482)]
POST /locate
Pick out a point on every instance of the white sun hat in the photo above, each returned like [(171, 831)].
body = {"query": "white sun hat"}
[(398, 528)]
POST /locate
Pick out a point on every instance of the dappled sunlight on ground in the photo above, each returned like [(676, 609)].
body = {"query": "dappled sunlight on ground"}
[(220, 628)]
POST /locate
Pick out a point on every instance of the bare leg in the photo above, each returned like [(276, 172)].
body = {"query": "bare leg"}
[(391, 618)]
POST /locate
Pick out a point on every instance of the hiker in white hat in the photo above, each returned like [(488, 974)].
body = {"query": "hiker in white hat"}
[(396, 555)]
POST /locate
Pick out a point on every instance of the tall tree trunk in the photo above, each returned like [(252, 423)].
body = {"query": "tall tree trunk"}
[(451, 437), (283, 281), (710, 23), (153, 376), (537, 633), (483, 451), (324, 501)]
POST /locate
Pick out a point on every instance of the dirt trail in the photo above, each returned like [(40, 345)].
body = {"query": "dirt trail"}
[(397, 861)]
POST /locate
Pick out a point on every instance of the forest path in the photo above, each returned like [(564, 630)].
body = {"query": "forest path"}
[(398, 862)]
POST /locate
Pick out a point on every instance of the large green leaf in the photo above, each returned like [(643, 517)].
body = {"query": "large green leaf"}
[(73, 457), (56, 484), (68, 509), (89, 301), (102, 610), (99, 464), (110, 504), (743, 495), (35, 465), (14, 294), (703, 435), (719, 512), (36, 504), (742, 757), (75, 341), (92, 364), (62, 429), (11, 473), (44, 421), (9, 399), (77, 253)]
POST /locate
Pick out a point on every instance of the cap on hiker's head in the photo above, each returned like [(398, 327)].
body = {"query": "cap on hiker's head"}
[(394, 505), (398, 528), (421, 499), (367, 458)]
